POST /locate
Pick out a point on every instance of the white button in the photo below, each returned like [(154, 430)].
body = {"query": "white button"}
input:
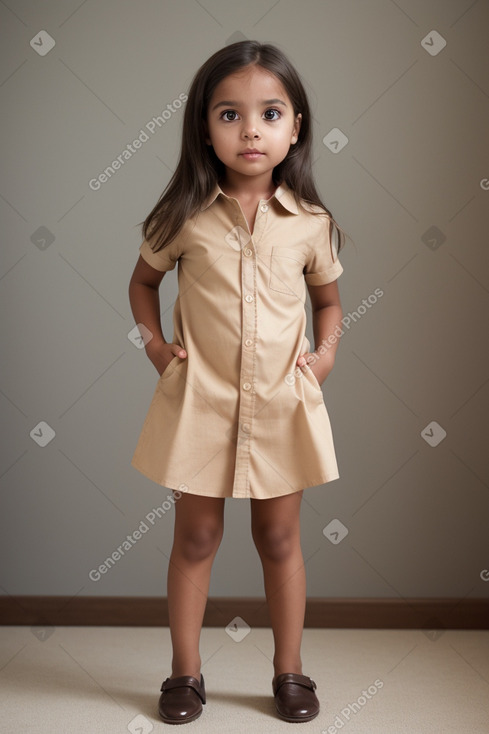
[(248, 252), (248, 298), (264, 207), (246, 385), (246, 427), (248, 342)]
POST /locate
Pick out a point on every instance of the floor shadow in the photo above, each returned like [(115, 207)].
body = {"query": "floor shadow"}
[(148, 704), (86, 687)]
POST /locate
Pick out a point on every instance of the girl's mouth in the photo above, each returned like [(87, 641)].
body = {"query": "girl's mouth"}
[(251, 156)]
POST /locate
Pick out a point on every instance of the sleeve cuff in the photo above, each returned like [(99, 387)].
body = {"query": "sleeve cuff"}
[(327, 276), (157, 260)]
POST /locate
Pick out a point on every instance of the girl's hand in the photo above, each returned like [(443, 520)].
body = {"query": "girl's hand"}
[(162, 353), (318, 365)]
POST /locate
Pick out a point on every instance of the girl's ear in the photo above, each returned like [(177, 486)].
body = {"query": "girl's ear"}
[(297, 127)]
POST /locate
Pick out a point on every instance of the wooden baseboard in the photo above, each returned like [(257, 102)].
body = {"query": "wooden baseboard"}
[(361, 613)]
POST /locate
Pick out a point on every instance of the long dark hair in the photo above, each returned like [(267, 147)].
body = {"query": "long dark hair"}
[(199, 169)]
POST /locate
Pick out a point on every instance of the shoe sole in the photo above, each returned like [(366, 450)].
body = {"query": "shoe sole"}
[(297, 720), (181, 721)]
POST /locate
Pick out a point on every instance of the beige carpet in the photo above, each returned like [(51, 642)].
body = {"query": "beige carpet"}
[(107, 679)]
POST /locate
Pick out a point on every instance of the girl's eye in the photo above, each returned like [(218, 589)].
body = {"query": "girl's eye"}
[(225, 114), (228, 112)]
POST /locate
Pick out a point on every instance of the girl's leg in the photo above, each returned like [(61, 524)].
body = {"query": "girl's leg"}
[(197, 535), (275, 525)]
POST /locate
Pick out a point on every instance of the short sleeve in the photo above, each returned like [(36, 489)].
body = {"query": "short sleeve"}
[(322, 264), (166, 258)]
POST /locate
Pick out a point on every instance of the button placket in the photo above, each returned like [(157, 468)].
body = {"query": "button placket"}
[(260, 221), (241, 486)]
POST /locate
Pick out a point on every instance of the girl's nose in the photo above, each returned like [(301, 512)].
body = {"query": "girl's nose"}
[(249, 128), (251, 132)]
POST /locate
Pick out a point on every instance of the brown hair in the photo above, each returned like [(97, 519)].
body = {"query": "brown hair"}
[(199, 169)]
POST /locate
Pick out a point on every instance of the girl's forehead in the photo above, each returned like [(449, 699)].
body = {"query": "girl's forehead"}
[(250, 81)]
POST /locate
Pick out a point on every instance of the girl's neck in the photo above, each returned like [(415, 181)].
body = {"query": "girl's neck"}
[(248, 190)]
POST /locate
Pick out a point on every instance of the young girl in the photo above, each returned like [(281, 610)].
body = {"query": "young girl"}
[(238, 410)]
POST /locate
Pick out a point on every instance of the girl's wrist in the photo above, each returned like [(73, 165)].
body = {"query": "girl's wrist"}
[(322, 364), (154, 344)]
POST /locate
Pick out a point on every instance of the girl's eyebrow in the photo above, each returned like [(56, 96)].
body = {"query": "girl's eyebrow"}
[(232, 103)]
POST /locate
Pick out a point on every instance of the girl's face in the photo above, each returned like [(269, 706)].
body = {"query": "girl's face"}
[(251, 110)]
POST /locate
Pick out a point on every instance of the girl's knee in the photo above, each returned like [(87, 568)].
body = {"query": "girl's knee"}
[(199, 525), (275, 542), (199, 542)]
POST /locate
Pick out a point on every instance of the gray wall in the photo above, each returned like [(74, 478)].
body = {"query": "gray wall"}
[(416, 159)]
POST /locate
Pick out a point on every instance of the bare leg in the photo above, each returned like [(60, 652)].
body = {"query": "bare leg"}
[(275, 525), (197, 536)]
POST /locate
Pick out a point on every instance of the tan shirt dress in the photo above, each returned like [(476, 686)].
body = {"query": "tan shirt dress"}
[(233, 419)]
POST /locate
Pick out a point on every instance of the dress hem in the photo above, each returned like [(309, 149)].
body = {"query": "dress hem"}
[(178, 486)]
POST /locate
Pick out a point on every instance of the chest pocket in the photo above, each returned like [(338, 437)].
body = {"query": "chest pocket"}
[(286, 271)]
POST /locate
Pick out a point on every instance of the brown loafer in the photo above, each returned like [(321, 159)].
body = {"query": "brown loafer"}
[(295, 699), (181, 699)]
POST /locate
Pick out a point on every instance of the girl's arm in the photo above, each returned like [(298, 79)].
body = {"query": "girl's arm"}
[(145, 305), (327, 316)]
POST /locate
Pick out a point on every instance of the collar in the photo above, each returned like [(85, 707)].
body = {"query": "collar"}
[(283, 194)]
